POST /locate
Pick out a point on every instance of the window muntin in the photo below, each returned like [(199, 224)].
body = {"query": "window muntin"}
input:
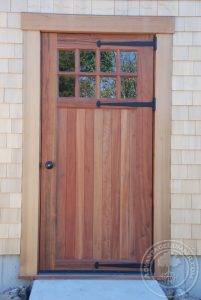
[(91, 74)]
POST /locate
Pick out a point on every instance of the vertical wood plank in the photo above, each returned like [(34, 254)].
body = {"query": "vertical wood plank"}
[(124, 185), (162, 138), (31, 155), (89, 185), (61, 183), (133, 186), (115, 182), (98, 175), (48, 151), (71, 184), (163, 82), (106, 182), (141, 203), (80, 188), (147, 185)]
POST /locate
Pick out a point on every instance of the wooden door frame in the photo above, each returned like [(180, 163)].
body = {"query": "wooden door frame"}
[(33, 24)]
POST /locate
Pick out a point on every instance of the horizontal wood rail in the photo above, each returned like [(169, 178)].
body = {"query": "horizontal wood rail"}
[(97, 24)]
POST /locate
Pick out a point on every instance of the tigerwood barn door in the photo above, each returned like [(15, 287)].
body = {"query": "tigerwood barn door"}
[(97, 197)]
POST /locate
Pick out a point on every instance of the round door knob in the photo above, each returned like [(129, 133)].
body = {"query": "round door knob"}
[(49, 164)]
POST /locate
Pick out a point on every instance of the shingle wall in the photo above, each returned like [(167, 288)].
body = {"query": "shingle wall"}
[(186, 107)]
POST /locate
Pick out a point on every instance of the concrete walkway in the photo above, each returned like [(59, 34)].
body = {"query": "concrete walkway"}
[(96, 290)]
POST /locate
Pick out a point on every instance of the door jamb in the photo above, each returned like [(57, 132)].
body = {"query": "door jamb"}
[(31, 139)]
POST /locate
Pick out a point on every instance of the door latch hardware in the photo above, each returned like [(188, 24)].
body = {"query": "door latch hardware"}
[(49, 164), (151, 104)]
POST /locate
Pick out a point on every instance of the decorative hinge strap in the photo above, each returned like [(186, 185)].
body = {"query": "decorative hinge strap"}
[(145, 43), (151, 104)]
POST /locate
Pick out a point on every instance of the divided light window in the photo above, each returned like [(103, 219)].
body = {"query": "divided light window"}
[(97, 74)]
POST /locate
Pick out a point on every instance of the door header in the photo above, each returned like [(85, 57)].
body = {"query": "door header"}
[(97, 24)]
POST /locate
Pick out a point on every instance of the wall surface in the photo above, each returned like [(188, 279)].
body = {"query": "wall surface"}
[(186, 107), (9, 266)]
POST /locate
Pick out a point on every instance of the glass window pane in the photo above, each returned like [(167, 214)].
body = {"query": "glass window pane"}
[(107, 61), (128, 87), (66, 61), (107, 87), (66, 86), (87, 86), (128, 61), (87, 61)]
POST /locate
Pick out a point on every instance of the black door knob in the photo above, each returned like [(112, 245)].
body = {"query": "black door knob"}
[(49, 164)]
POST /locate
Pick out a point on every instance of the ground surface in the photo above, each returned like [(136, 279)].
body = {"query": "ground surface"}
[(96, 289)]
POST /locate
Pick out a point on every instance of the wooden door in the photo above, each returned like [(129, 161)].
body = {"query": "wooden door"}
[(97, 196)]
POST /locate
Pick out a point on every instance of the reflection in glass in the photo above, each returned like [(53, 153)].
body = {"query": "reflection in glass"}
[(128, 87), (107, 61), (107, 87), (66, 86), (87, 61), (128, 61), (87, 86), (66, 61)]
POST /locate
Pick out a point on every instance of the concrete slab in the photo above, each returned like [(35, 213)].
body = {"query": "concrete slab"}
[(96, 289)]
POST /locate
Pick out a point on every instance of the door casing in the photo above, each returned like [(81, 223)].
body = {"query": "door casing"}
[(31, 155)]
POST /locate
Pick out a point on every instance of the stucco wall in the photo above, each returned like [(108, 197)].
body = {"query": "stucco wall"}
[(186, 109)]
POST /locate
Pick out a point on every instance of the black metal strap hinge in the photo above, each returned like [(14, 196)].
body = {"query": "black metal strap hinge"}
[(135, 267), (148, 43), (151, 104), (98, 265), (155, 43)]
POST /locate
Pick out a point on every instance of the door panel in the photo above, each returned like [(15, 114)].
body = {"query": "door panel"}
[(104, 184), (96, 203)]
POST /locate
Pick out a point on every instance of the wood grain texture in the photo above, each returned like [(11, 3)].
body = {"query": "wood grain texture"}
[(48, 151), (89, 185), (142, 75), (61, 181), (70, 200), (105, 210), (141, 185), (106, 186), (97, 202), (102, 24), (115, 182), (124, 185), (31, 155), (98, 188), (31, 201), (80, 178), (162, 146)]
